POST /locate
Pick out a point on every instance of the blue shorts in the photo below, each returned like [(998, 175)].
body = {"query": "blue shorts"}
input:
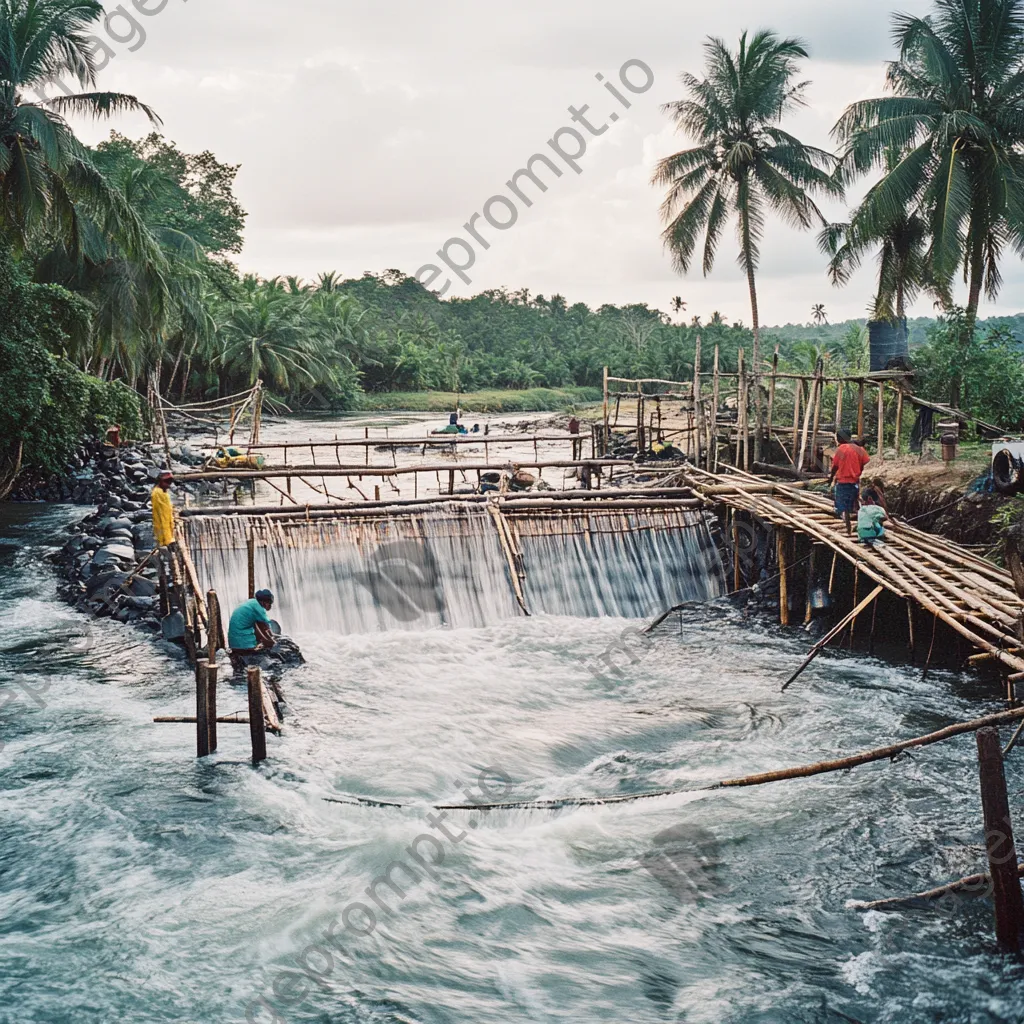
[(847, 496)]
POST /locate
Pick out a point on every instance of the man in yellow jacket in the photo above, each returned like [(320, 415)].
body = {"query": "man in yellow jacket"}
[(163, 513)]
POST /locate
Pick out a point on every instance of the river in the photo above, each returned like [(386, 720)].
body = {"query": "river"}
[(139, 884)]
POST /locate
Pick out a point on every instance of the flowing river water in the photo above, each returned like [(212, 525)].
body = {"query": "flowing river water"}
[(139, 884)]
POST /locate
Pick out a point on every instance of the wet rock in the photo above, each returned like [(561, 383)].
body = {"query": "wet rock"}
[(114, 554)]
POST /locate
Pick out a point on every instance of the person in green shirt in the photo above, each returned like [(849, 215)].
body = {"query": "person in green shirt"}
[(249, 626), (870, 519)]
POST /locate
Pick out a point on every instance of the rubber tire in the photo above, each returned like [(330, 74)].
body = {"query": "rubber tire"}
[(1006, 475)]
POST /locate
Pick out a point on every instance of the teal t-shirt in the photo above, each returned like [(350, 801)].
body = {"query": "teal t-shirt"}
[(869, 522), (241, 634)]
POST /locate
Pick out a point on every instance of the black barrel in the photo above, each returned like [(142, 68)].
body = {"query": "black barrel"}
[(888, 342)]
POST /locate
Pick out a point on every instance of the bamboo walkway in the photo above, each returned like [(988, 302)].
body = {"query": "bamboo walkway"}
[(967, 593)]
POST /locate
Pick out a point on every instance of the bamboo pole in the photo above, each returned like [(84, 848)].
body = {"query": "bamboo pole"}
[(250, 544), (860, 411), (202, 724), (798, 391), (780, 551), (257, 727), (832, 634), (605, 429), (881, 422), (714, 401), (808, 410), (810, 583), (887, 753), (771, 401), (818, 391), (211, 704), (972, 885), (879, 754), (899, 417), (506, 547), (737, 579), (697, 410), (741, 411)]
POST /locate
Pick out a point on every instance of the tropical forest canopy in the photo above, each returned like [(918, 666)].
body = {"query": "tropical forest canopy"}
[(118, 262)]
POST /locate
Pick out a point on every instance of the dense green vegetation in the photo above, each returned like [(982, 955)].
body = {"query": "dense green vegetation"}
[(117, 271)]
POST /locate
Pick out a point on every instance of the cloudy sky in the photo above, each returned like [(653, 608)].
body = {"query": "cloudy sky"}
[(368, 133)]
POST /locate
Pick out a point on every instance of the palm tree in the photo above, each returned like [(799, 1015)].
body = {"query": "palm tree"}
[(45, 172), (265, 336), (955, 122), (678, 305), (902, 243), (818, 314), (744, 163)]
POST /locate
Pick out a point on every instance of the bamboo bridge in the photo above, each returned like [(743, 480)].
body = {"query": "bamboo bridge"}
[(970, 595)]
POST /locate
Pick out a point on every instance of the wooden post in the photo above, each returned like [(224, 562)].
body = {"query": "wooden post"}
[(250, 544), (257, 727), (810, 584), (798, 391), (808, 409), (213, 637), (860, 411), (899, 417), (780, 551), (819, 387), (714, 411), (771, 402), (737, 578), (881, 422), (451, 481), (839, 404), (698, 421), (604, 433), (640, 446), (376, 492), (165, 593), (202, 724), (211, 704), (741, 412), (1002, 853)]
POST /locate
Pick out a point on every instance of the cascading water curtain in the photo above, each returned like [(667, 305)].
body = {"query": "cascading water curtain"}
[(631, 564), (448, 567)]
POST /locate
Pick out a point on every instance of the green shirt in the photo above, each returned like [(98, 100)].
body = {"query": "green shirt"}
[(869, 521), (241, 634)]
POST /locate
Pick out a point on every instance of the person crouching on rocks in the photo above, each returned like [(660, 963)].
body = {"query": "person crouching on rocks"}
[(249, 627), (870, 519), (847, 466)]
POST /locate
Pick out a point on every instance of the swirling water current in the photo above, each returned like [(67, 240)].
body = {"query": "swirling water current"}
[(139, 884)]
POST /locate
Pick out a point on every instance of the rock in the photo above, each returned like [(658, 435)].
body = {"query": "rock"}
[(114, 553), (91, 543), (122, 525), (140, 586), (142, 604), (154, 472)]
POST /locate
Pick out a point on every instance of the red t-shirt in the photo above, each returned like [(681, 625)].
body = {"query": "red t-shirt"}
[(849, 462)]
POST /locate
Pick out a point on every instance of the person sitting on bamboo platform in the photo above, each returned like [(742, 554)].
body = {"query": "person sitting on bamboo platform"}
[(847, 465), (870, 519), (163, 513), (249, 626)]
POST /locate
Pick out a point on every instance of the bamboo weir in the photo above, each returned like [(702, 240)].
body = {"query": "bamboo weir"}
[(633, 538)]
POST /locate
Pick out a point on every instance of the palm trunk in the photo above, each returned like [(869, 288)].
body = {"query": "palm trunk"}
[(977, 277), (755, 362)]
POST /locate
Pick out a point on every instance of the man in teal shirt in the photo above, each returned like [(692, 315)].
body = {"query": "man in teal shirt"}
[(249, 628)]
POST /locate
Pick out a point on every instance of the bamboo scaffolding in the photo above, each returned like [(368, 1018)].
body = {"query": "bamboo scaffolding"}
[(389, 471)]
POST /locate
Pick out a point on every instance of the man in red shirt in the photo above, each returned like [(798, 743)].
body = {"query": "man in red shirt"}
[(847, 465)]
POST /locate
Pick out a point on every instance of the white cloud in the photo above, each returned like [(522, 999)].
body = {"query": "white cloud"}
[(368, 133)]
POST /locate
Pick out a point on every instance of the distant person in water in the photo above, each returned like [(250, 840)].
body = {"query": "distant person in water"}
[(870, 519), (847, 466), (249, 627)]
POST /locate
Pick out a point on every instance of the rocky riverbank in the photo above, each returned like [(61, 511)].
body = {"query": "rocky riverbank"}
[(107, 566)]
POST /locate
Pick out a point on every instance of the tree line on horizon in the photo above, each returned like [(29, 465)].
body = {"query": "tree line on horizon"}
[(120, 257)]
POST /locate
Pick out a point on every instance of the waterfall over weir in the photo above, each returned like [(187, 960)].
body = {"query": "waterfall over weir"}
[(458, 566)]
